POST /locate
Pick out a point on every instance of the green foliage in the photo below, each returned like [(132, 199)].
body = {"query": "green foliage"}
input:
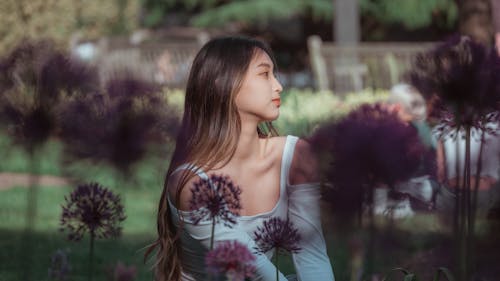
[(302, 111), (156, 10), (59, 20), (411, 13), (261, 11)]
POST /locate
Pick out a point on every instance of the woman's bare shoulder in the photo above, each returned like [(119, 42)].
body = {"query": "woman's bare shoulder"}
[(181, 181), (304, 167)]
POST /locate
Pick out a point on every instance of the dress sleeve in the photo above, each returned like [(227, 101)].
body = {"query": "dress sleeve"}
[(265, 269), (312, 261)]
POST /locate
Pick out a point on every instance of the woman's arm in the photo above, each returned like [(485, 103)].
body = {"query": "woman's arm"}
[(312, 261)]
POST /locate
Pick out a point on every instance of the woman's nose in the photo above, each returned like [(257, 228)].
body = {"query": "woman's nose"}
[(277, 85)]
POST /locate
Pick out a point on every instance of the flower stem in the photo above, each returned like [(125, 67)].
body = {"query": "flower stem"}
[(31, 212), (212, 237), (91, 256), (276, 262), (467, 205), (476, 187)]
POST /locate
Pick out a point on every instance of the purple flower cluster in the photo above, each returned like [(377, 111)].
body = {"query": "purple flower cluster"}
[(368, 147), (94, 209), (118, 126), (34, 76), (278, 234), (462, 78), (216, 199), (44, 91), (231, 259)]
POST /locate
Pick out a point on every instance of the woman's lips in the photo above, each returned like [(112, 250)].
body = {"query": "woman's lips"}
[(277, 102)]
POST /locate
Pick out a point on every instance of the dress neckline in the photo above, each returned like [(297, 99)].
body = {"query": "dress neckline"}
[(286, 159)]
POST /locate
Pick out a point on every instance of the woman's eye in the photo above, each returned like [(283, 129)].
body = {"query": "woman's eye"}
[(266, 74)]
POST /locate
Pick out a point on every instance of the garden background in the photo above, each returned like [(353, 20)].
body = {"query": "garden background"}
[(80, 28)]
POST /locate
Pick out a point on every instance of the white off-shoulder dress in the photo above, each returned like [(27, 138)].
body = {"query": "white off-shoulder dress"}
[(299, 203)]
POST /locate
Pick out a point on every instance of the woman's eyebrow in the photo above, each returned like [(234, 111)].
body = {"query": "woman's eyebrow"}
[(264, 64)]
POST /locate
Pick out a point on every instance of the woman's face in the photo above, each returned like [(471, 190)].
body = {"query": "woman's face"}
[(259, 96)]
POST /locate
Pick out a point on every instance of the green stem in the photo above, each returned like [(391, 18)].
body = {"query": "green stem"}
[(31, 211), (212, 237), (91, 256), (468, 212), (276, 262), (476, 187)]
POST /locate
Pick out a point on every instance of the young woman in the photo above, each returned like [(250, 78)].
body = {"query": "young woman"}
[(231, 96)]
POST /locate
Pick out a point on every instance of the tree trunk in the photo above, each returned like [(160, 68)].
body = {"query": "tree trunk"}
[(475, 20), (495, 8)]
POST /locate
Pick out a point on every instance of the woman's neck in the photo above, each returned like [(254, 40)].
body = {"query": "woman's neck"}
[(250, 145)]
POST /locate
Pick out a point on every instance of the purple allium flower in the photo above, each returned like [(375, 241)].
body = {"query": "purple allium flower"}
[(231, 259), (130, 87), (62, 73), (121, 272), (118, 127), (59, 266), (216, 199), (278, 234), (21, 65), (34, 77), (369, 146), (29, 126), (465, 78), (94, 209)]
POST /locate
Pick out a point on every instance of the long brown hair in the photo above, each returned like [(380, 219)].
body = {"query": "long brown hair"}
[(209, 133)]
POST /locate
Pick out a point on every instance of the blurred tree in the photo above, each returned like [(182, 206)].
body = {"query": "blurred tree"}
[(206, 13), (496, 22), (263, 11), (409, 20), (412, 14), (58, 20), (155, 13), (286, 24), (476, 20)]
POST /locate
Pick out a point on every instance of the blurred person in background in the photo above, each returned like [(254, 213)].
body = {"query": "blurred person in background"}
[(448, 159), (418, 192)]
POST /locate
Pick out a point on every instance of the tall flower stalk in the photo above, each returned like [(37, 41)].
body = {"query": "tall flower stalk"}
[(95, 210), (216, 199), (464, 78), (278, 234)]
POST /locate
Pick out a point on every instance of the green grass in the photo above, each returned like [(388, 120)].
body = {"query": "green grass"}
[(138, 231)]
